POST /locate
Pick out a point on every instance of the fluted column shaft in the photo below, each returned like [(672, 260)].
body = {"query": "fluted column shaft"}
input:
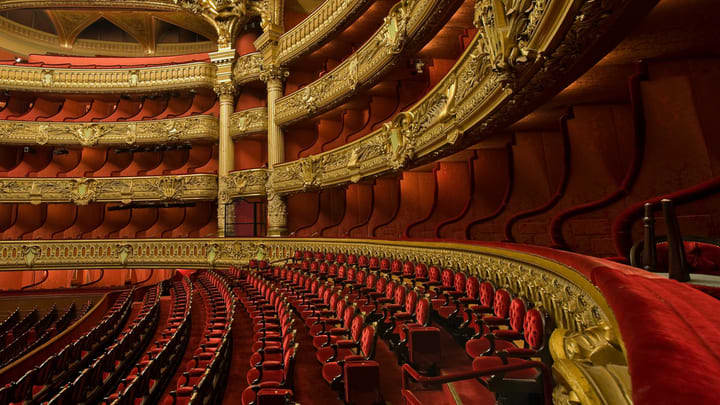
[(225, 89), (277, 208), (276, 138)]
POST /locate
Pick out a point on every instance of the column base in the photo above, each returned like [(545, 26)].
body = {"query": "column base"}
[(276, 232)]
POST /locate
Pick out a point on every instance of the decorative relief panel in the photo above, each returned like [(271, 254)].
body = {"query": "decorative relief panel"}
[(500, 77), (82, 191), (407, 23), (245, 183), (132, 80), (249, 121), (312, 31), (195, 128), (248, 68)]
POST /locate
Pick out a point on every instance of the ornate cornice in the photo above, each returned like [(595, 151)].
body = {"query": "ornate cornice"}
[(129, 80), (318, 27), (406, 26), (248, 122), (248, 68), (199, 128), (82, 191), (245, 183), (518, 59)]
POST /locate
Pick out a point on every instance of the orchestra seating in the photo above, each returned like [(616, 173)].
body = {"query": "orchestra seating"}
[(370, 330)]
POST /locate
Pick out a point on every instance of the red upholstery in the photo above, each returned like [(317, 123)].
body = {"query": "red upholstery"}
[(684, 327)]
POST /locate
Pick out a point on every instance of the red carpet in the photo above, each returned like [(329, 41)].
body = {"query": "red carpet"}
[(240, 363)]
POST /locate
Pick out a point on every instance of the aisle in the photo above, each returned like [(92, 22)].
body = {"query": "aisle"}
[(197, 326)]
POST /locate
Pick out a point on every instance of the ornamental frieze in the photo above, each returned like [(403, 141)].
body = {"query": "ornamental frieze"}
[(247, 68), (128, 80), (248, 122), (199, 128), (245, 183), (520, 52), (406, 26), (82, 191)]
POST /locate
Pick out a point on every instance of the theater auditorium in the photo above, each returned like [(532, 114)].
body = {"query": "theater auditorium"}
[(359, 202)]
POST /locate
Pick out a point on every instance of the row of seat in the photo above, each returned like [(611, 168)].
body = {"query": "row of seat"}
[(10, 322), (103, 373), (270, 376), (501, 329), (207, 370), (20, 327), (44, 381), (150, 374), (37, 333)]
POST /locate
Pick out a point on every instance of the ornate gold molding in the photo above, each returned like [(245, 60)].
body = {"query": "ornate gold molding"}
[(145, 5), (248, 68), (407, 25), (317, 28), (25, 40), (226, 16), (245, 183), (199, 128), (248, 122), (82, 191), (129, 80), (509, 68)]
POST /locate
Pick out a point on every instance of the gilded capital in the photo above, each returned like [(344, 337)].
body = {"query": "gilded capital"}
[(273, 73), (225, 89)]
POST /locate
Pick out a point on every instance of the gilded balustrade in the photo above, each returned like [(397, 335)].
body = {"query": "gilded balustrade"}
[(406, 26), (590, 362), (250, 121), (198, 129), (523, 49), (82, 191), (126, 80), (318, 27)]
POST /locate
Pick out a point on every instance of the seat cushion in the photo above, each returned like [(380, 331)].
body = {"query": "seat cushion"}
[(478, 347)]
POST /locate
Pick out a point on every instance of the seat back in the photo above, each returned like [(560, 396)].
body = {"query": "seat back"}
[(421, 270), (408, 269), (534, 329), (448, 278), (501, 303), (460, 282), (396, 266), (363, 262), (434, 274), (518, 308), (362, 382), (411, 298), (422, 312), (487, 293), (472, 288), (368, 340)]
